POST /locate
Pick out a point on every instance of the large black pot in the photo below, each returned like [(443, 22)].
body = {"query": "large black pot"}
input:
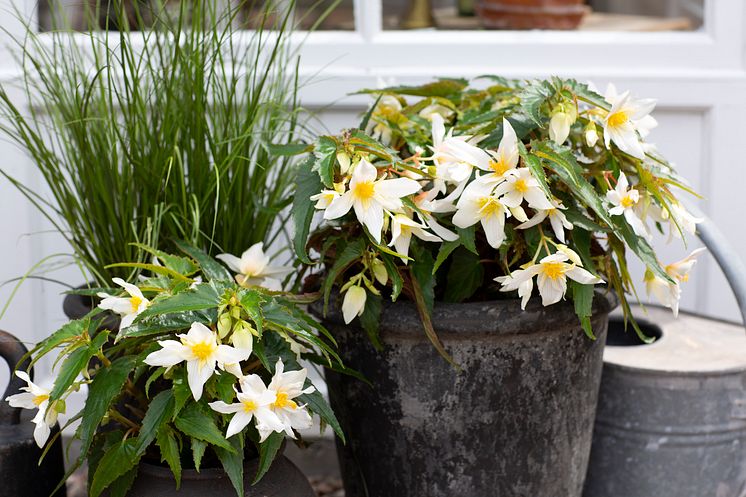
[(283, 479), (516, 420)]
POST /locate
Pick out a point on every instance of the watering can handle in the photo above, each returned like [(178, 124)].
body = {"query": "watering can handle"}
[(725, 255), (12, 350)]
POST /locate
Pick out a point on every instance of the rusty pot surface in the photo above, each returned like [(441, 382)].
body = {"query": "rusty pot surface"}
[(516, 420), (531, 14), (283, 479)]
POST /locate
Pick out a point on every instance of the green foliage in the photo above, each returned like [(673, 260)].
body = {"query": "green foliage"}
[(307, 184), (179, 132), (558, 148)]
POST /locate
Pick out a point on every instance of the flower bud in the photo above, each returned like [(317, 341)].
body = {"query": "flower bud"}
[(344, 162), (379, 271), (591, 135), (354, 303), (224, 324), (242, 338)]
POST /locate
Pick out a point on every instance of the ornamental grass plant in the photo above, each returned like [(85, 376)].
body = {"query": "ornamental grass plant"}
[(165, 134), (472, 191)]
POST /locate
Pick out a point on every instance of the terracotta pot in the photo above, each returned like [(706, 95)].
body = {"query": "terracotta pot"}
[(515, 421), (531, 14)]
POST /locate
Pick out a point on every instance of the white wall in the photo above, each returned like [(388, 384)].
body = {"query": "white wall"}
[(699, 79)]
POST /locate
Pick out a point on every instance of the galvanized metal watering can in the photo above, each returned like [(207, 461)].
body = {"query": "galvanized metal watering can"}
[(21, 473), (671, 419)]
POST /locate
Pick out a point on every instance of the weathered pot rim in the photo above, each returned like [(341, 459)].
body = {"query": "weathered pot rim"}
[(76, 306), (471, 319), (186, 474), (160, 471)]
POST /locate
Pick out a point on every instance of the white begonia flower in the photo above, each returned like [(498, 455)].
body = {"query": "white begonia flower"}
[(520, 185), (525, 285), (353, 304), (370, 197), (253, 268), (433, 109), (402, 229), (288, 385), (454, 156), (426, 205), (560, 124), (200, 349), (35, 397), (254, 401), (479, 204), (127, 307), (669, 293), (387, 108), (624, 200), (324, 198), (686, 221), (505, 160), (557, 220), (627, 118), (552, 272)]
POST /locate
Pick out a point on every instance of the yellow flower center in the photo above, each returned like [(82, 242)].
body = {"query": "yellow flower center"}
[(627, 201), (671, 269), (39, 399), (553, 270), (282, 401), (521, 185), (364, 190), (490, 206), (618, 118), (135, 303), (249, 405), (499, 166), (387, 111), (203, 350)]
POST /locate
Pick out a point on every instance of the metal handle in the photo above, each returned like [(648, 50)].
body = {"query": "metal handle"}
[(12, 350), (725, 255)]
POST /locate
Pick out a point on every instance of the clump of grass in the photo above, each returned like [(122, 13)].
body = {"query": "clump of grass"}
[(161, 135)]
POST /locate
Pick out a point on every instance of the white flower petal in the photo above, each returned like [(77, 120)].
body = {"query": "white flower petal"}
[(339, 206)]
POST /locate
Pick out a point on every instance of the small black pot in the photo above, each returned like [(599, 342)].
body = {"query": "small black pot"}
[(515, 421), (283, 479), (77, 306)]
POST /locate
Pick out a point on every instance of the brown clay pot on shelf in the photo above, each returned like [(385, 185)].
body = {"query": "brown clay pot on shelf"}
[(531, 14)]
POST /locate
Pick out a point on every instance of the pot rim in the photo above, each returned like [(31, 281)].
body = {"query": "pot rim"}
[(186, 474), (470, 319)]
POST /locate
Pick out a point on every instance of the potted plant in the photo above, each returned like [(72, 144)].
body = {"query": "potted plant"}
[(197, 389), (448, 200), (171, 133)]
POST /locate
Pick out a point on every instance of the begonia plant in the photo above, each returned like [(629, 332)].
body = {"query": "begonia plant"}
[(462, 191), (201, 369)]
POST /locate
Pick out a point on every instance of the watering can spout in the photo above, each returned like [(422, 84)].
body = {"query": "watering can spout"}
[(725, 255)]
